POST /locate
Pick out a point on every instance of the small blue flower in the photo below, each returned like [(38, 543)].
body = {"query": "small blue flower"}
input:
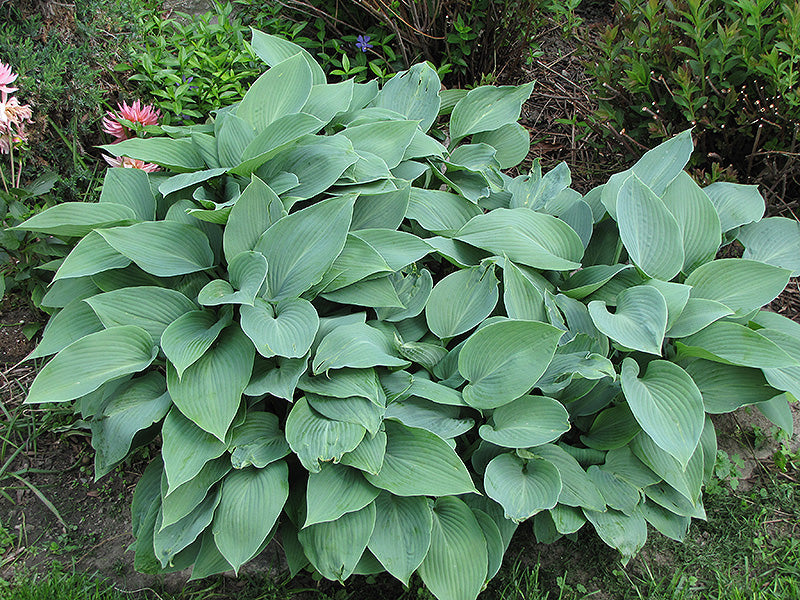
[(363, 43)]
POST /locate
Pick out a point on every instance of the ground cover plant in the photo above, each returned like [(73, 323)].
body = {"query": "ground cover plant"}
[(305, 302)]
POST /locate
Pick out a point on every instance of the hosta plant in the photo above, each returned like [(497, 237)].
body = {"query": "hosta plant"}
[(354, 332)]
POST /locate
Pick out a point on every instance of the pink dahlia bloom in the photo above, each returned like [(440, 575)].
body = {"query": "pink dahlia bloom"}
[(135, 112), (130, 163), (6, 77)]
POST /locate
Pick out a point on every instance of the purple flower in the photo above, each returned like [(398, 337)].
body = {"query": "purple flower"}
[(363, 43)]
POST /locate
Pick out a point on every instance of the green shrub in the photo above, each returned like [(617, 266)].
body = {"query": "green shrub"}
[(390, 353), (729, 67)]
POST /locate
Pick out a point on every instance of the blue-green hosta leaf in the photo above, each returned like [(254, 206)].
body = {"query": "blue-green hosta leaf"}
[(70, 324), (185, 180), (522, 487), (257, 441), (280, 91), (456, 565), (180, 156), (247, 272), (736, 344), (440, 212), (657, 169), (170, 540), (640, 321), (779, 411), (149, 307), (273, 49), (413, 290), (420, 463), (687, 480), (359, 346), (334, 547), (328, 100), (345, 383), (625, 533), (613, 428), (357, 260), (162, 248), (666, 522), (494, 541), (398, 248), (182, 500), (414, 94), (775, 241), (302, 246), (441, 419), (521, 297), (421, 146), (137, 406), (736, 204), (618, 493), (368, 292), (186, 449), (209, 560), (623, 464), (88, 363), (188, 337), (534, 190), (368, 455), (284, 329), (76, 219), (697, 219), (381, 210), (526, 422), (210, 391), (385, 139), (526, 237), (727, 387), (512, 142), (354, 409), (316, 438), (334, 491), (590, 279), (402, 534), (503, 361), (424, 354), (667, 497), (435, 392), (649, 231), (741, 285), (667, 404), (577, 489), (90, 256), (251, 501), (233, 136), (131, 188), (487, 108), (461, 301), (256, 210), (696, 315)]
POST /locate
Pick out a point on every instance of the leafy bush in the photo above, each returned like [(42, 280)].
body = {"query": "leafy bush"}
[(730, 67), (390, 353)]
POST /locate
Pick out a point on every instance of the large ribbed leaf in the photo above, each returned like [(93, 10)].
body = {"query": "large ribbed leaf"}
[(139, 404), (177, 155), (70, 324), (278, 377), (697, 218), (256, 210), (345, 383), (385, 139), (149, 307), (413, 93), (88, 363), (302, 246), (526, 422), (316, 438), (461, 301), (131, 188), (775, 241), (335, 547), (440, 212), (736, 344), (247, 272), (522, 299), (420, 463), (162, 248), (251, 501), (741, 285), (181, 500), (667, 404), (512, 142), (503, 360), (257, 441), (736, 204), (402, 534), (357, 345), (696, 315), (487, 108), (91, 255), (443, 420), (76, 219), (525, 237), (188, 337), (285, 329), (354, 409), (326, 101), (186, 449), (210, 390), (613, 428), (281, 91), (686, 480), (590, 279), (640, 321), (169, 540), (577, 489), (625, 533), (335, 491), (398, 248), (618, 493), (273, 49), (649, 231), (522, 487), (455, 567), (368, 455), (727, 387)]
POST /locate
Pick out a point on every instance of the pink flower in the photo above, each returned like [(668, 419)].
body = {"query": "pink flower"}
[(130, 163), (14, 113), (6, 77), (136, 112)]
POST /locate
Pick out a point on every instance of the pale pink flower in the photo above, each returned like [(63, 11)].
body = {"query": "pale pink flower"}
[(14, 113), (135, 112), (6, 77), (130, 163)]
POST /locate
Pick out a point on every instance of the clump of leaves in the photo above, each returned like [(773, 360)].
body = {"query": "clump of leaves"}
[(389, 353)]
